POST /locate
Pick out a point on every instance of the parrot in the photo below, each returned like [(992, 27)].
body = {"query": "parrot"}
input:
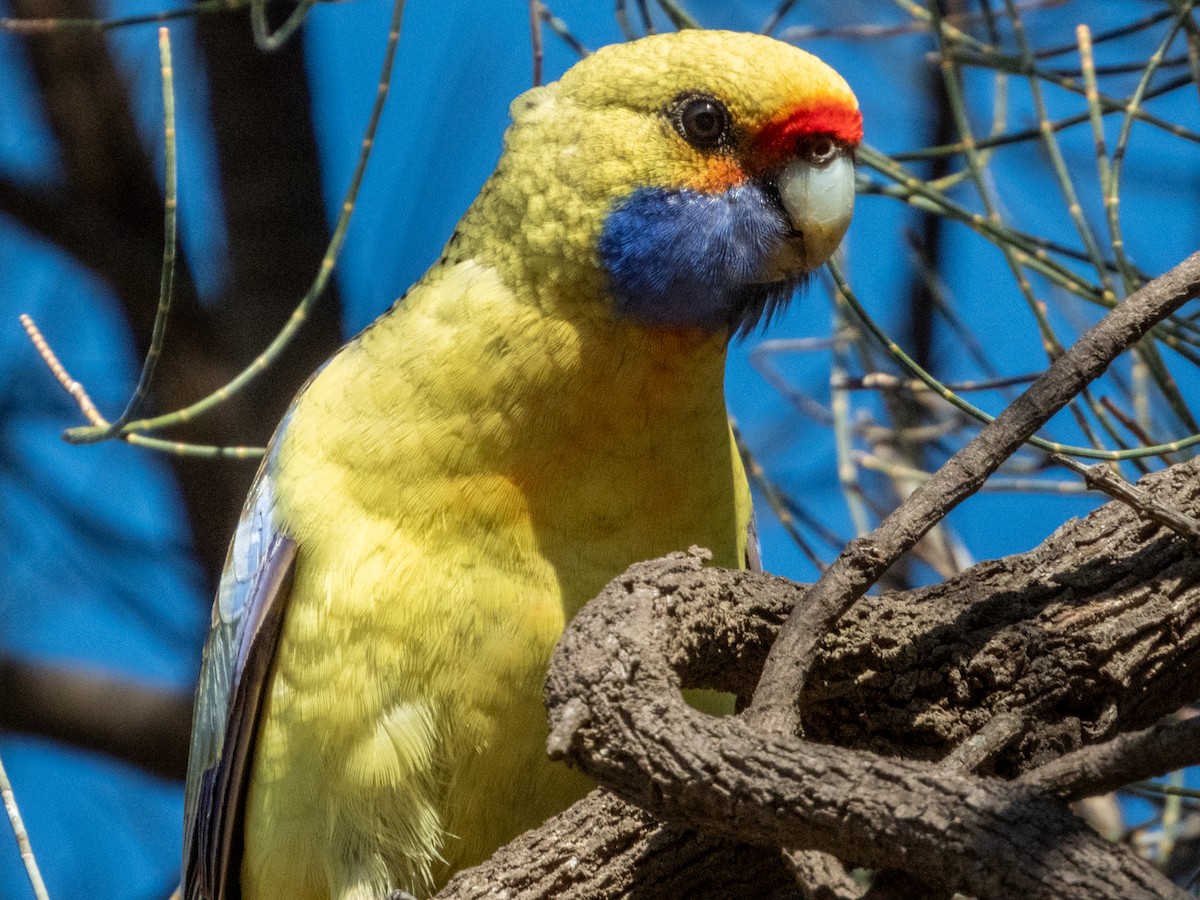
[(543, 408)]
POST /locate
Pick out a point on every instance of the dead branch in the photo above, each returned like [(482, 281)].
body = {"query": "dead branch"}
[(617, 713)]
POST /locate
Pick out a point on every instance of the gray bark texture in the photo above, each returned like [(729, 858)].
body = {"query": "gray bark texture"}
[(1090, 636), (1092, 633)]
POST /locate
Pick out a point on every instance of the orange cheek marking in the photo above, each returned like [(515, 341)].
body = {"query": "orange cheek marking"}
[(720, 173)]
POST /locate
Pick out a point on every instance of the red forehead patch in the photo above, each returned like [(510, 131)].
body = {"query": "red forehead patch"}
[(778, 137)]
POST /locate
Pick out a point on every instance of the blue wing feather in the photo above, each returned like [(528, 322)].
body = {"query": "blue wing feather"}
[(246, 620), (753, 548)]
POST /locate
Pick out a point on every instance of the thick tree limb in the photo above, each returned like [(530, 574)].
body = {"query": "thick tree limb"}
[(1101, 623), (615, 711), (604, 849)]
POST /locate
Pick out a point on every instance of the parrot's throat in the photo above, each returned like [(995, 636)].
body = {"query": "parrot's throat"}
[(689, 259)]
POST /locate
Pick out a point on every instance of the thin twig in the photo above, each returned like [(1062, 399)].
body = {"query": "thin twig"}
[(1132, 425), (1102, 478), (975, 412), (325, 269), (167, 275), (776, 16), (775, 500), (993, 486), (77, 391), (18, 827), (535, 36), (268, 41), (92, 414), (48, 25), (876, 381)]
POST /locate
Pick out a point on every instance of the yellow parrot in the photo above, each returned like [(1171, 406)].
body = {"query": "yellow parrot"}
[(543, 408)]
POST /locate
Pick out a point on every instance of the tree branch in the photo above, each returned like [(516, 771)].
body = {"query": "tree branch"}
[(1100, 627), (604, 849), (1171, 744), (616, 712)]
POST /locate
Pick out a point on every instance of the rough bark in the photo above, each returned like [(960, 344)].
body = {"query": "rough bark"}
[(1102, 624), (1094, 632), (616, 712), (603, 848)]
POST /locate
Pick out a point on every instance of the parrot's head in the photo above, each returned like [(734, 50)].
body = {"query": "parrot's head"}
[(698, 176)]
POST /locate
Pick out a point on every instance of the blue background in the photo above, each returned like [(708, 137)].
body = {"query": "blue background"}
[(96, 566)]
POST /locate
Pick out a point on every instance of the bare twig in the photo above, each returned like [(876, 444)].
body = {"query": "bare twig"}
[(1172, 744), (535, 36), (1103, 478), (77, 391), (18, 827)]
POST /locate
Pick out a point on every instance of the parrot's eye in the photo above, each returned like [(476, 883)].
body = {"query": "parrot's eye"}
[(819, 150), (702, 121)]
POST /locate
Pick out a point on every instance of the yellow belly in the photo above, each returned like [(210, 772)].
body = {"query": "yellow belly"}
[(450, 519), (404, 733), (404, 729)]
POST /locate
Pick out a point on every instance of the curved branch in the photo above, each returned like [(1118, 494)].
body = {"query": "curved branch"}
[(1101, 622), (616, 712)]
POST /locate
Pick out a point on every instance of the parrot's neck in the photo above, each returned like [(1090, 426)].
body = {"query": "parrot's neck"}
[(547, 371)]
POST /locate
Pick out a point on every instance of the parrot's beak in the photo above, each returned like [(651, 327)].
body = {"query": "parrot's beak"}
[(818, 200)]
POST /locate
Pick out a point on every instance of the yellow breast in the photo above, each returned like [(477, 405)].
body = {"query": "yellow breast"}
[(460, 480)]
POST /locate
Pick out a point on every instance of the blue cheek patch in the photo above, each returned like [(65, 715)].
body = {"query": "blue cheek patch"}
[(683, 258)]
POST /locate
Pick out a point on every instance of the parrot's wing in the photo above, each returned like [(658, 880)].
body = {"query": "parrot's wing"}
[(753, 549), (246, 622)]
